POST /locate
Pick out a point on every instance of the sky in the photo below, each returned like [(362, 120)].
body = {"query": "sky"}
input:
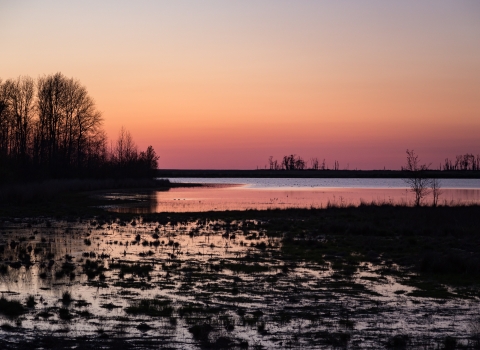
[(226, 84)]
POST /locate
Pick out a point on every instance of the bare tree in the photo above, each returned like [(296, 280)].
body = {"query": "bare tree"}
[(95, 150), (21, 93), (270, 162), (463, 162), (293, 162), (299, 163), (86, 121), (273, 163), (287, 161), (67, 118), (5, 120), (125, 149), (436, 185), (418, 183), (50, 103), (336, 165), (53, 128), (314, 163), (276, 165)]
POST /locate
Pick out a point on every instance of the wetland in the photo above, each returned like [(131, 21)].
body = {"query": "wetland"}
[(372, 276), (221, 194)]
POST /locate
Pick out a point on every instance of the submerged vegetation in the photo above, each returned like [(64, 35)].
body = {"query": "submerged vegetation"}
[(11, 308), (366, 277)]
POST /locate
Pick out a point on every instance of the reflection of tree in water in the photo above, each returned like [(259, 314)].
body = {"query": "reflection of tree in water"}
[(135, 201)]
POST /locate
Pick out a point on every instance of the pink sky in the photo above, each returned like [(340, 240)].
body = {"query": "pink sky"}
[(225, 85)]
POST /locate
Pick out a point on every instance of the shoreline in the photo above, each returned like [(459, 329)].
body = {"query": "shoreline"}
[(262, 173)]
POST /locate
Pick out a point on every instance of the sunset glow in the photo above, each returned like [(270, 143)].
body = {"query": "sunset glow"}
[(226, 84)]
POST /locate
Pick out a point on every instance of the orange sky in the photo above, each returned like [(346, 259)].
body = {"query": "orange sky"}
[(217, 84)]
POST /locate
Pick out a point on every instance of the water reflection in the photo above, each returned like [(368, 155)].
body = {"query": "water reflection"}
[(295, 183), (231, 275), (243, 197), (137, 201)]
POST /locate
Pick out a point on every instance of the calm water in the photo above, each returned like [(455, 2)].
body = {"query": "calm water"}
[(295, 183), (261, 193)]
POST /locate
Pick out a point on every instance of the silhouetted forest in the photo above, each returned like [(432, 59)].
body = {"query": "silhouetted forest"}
[(294, 162), (51, 128), (462, 162)]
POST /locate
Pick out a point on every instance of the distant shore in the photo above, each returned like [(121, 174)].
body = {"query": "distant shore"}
[(262, 173)]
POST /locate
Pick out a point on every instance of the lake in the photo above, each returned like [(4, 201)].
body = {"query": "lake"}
[(271, 193), (329, 279)]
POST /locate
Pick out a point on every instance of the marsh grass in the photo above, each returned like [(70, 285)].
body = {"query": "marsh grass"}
[(64, 314), (246, 268), (30, 301), (151, 307), (201, 331), (93, 268), (66, 298), (11, 308), (135, 268), (304, 289)]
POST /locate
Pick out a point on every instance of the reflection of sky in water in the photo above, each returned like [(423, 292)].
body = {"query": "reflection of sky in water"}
[(333, 182), (373, 296), (295, 193)]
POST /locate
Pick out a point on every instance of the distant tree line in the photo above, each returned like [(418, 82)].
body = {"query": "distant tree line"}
[(294, 162), (463, 162), (51, 128)]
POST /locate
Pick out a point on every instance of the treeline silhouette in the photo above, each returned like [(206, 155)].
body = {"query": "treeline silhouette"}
[(294, 162), (463, 162), (50, 128)]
